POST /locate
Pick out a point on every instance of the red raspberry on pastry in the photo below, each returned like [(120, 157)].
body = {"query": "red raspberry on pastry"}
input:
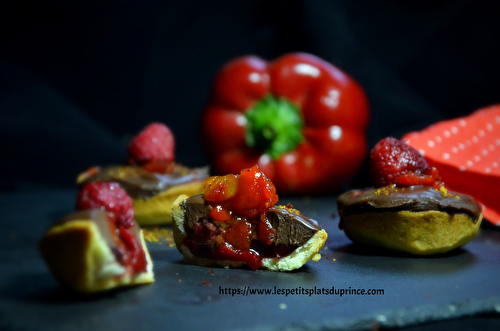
[(392, 161), (153, 145), (109, 196)]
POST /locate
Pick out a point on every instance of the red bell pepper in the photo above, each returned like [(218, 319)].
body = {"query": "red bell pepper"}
[(299, 118)]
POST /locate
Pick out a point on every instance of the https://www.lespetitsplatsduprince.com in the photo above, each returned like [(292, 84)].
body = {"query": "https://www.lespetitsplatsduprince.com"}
[(299, 291)]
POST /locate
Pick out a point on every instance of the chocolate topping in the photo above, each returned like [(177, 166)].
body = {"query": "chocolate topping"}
[(292, 227), (413, 198), (195, 209), (140, 183)]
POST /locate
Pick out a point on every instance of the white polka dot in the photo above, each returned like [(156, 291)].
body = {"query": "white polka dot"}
[(454, 150), (446, 156), (487, 170), (438, 139), (484, 151), (475, 139), (477, 158), (430, 143), (422, 152), (492, 148), (461, 146), (454, 129), (469, 163), (446, 133), (462, 122), (497, 119), (462, 168), (489, 127), (468, 143), (481, 133), (495, 165), (497, 141)]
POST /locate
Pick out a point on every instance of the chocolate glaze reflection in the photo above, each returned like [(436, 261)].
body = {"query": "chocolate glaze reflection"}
[(142, 184)]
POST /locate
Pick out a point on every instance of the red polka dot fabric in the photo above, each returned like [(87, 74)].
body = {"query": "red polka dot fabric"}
[(466, 152)]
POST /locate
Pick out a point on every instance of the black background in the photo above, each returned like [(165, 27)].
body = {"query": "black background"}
[(79, 78)]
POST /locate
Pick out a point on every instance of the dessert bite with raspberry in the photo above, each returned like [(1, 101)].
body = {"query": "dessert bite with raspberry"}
[(409, 208), (236, 223), (151, 177), (100, 246)]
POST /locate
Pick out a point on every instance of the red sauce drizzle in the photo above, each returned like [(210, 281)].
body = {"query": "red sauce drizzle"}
[(129, 250), (248, 256)]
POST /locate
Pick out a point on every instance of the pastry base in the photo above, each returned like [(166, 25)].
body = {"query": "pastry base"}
[(157, 209), (420, 233)]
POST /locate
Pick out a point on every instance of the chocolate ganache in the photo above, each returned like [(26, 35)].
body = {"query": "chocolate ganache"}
[(140, 183), (413, 198)]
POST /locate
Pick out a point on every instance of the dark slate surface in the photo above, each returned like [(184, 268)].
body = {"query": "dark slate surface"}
[(79, 78), (185, 297)]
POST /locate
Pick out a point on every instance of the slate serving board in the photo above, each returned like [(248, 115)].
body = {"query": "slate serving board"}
[(186, 297)]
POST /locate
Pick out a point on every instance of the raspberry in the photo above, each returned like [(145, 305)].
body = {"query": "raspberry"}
[(109, 196), (395, 162), (154, 144)]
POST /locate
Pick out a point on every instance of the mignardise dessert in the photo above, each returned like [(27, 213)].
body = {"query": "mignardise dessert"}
[(99, 247), (235, 223), (409, 208), (152, 179)]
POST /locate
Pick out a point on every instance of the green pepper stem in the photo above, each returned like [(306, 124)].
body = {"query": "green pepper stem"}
[(274, 126)]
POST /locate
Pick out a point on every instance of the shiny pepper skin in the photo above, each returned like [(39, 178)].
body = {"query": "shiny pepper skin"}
[(299, 118)]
